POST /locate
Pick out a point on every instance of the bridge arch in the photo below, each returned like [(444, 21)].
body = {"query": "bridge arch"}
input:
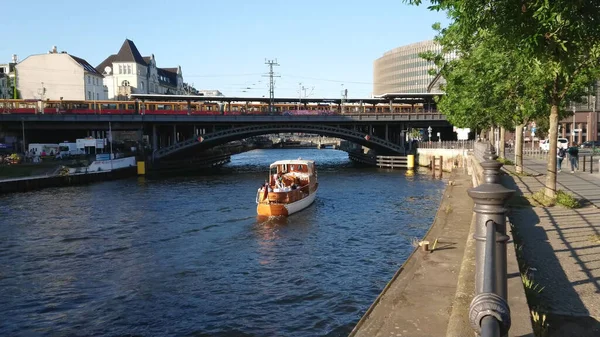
[(224, 136)]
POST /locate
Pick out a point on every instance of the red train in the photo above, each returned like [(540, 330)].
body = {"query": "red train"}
[(10, 106)]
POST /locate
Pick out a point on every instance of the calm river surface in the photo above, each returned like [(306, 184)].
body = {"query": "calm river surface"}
[(189, 257)]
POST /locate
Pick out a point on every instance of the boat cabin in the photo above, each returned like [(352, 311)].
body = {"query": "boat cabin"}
[(287, 175)]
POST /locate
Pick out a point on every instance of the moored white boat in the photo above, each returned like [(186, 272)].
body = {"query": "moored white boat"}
[(291, 187)]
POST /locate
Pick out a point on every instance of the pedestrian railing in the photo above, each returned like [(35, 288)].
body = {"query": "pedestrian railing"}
[(489, 313), (459, 144)]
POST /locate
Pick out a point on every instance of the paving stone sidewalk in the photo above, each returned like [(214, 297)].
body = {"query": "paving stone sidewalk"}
[(562, 246)]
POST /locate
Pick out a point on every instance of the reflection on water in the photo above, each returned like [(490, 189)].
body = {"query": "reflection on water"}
[(189, 256)]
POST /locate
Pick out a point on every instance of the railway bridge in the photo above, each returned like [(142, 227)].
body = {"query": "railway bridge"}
[(177, 136)]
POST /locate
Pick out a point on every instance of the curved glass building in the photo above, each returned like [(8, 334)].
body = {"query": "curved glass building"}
[(401, 70)]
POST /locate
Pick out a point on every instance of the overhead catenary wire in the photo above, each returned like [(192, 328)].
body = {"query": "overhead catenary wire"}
[(224, 75)]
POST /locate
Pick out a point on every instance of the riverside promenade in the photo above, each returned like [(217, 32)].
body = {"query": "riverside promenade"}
[(561, 247)]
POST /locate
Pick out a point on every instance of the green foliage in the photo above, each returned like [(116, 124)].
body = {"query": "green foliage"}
[(414, 134), (544, 53), (567, 200), (532, 289), (505, 161), (541, 198), (540, 323)]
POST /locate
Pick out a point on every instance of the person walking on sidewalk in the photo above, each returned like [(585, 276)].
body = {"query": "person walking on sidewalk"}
[(560, 155), (574, 157)]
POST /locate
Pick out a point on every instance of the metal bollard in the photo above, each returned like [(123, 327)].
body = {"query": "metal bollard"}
[(490, 213)]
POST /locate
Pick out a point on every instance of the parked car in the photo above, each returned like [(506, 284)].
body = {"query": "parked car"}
[(562, 143), (590, 144)]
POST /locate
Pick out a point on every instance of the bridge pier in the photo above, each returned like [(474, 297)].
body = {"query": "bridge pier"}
[(154, 138), (386, 133)]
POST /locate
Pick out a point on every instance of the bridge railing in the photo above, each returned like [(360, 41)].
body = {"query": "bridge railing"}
[(458, 144), (489, 313)]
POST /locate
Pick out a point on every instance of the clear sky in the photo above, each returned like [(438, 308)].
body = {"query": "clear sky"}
[(328, 45)]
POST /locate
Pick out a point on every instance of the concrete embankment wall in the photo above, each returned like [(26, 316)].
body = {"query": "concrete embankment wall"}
[(451, 158), (36, 183), (459, 323)]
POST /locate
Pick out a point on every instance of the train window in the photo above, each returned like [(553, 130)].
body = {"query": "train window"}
[(130, 107), (108, 106), (164, 107)]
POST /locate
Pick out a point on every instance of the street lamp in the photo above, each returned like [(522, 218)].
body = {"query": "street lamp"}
[(429, 129), (573, 128), (23, 129)]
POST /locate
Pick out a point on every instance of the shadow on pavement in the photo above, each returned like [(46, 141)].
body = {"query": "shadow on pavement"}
[(541, 258)]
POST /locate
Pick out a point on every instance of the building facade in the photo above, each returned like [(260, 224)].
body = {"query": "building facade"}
[(58, 76), (402, 70), (128, 72), (5, 87), (211, 93), (7, 78)]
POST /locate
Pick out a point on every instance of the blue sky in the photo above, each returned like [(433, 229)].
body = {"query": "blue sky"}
[(223, 44)]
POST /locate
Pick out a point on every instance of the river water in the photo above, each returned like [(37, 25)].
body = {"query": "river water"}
[(189, 257)]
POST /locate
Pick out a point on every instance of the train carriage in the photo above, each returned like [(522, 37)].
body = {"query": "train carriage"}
[(8, 106), (216, 107)]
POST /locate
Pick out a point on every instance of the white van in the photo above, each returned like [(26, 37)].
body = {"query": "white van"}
[(561, 143), (69, 149), (47, 149)]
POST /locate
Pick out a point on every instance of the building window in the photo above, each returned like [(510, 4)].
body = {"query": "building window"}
[(142, 86), (88, 78), (97, 96), (129, 69), (89, 95), (120, 69)]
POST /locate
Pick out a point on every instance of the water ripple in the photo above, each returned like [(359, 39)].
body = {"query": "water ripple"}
[(189, 257)]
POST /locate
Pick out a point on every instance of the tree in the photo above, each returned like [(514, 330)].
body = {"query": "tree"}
[(561, 39), (487, 86)]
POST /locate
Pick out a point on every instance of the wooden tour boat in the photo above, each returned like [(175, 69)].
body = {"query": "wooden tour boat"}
[(291, 187)]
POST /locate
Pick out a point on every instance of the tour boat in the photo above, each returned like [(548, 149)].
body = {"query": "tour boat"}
[(291, 187)]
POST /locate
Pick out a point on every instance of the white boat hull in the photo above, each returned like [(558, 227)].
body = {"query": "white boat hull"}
[(266, 208), (301, 204)]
